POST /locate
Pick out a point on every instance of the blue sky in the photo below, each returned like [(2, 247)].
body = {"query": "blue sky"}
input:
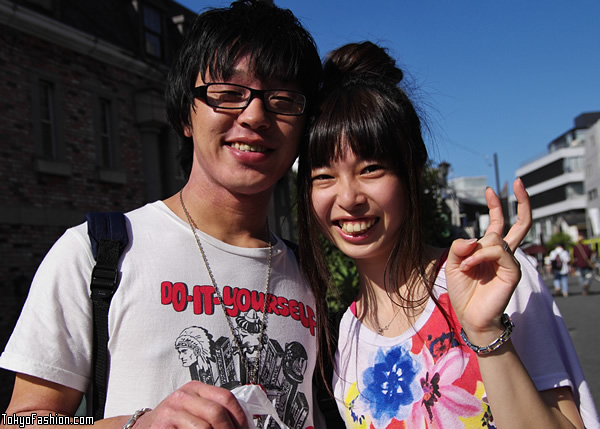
[(503, 77)]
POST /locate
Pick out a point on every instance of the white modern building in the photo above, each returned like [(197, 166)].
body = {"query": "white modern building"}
[(466, 200), (592, 180), (557, 182)]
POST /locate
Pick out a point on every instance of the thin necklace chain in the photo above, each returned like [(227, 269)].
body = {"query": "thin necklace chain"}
[(381, 330), (419, 302), (251, 375)]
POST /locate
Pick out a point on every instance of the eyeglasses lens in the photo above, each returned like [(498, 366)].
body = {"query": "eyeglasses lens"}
[(228, 96)]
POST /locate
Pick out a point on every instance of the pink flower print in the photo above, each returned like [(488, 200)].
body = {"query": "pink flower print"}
[(443, 403)]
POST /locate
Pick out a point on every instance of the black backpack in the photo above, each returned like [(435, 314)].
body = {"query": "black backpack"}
[(556, 263)]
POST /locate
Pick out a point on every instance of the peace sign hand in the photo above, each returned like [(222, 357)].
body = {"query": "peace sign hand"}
[(482, 274)]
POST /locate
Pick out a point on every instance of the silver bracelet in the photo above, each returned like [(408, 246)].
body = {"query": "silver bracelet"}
[(134, 418), (508, 328)]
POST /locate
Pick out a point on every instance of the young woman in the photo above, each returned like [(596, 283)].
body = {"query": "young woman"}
[(427, 342)]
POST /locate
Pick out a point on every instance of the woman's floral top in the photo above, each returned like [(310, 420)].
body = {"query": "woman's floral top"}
[(425, 378)]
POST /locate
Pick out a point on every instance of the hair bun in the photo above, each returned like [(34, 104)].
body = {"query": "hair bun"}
[(360, 61)]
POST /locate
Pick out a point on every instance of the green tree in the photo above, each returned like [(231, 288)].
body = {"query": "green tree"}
[(561, 238), (344, 277), (437, 228)]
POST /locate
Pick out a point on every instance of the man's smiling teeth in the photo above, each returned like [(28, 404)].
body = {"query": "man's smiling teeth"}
[(350, 227), (247, 148)]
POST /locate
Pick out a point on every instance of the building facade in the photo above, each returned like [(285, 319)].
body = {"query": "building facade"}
[(83, 124), (466, 200), (592, 181), (556, 183)]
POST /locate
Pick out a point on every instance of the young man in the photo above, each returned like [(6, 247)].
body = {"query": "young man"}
[(209, 298)]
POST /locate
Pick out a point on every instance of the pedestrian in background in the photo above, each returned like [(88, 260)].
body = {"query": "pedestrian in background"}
[(560, 259), (582, 262)]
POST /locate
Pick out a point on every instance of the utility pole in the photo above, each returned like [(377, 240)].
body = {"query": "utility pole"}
[(503, 198), (497, 174)]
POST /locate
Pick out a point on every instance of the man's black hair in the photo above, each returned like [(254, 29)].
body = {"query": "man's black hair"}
[(278, 46)]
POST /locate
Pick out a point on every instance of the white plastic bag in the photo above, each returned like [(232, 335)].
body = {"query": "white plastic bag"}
[(254, 401)]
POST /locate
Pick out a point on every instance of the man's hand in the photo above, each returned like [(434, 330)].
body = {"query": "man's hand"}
[(197, 405), (193, 405)]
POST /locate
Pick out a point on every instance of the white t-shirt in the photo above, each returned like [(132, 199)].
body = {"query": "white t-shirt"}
[(166, 326), (426, 377), (564, 256)]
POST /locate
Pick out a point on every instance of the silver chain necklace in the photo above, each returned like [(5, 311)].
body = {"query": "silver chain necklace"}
[(252, 375), (381, 330)]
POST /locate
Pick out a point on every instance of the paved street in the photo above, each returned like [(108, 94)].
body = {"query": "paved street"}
[(582, 317)]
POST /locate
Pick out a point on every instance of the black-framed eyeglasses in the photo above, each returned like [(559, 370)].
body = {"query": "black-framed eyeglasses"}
[(232, 96)]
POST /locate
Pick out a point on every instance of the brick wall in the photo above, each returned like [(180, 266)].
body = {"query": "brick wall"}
[(38, 207)]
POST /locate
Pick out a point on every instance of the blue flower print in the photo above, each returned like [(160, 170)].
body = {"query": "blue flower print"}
[(390, 384), (355, 417)]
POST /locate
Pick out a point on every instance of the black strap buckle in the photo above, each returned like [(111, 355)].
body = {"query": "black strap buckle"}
[(104, 281)]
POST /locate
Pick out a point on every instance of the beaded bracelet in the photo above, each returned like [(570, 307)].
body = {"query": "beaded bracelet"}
[(508, 325), (135, 417)]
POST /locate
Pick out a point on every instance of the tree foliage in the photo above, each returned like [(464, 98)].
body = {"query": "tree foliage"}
[(561, 238), (344, 277), (437, 227)]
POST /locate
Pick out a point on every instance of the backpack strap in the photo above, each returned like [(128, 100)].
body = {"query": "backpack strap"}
[(108, 237)]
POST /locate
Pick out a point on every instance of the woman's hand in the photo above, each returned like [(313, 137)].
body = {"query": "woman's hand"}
[(483, 274)]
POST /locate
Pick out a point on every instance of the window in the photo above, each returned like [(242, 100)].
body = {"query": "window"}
[(575, 190), (106, 137), (47, 119), (152, 31), (549, 197), (573, 164), (544, 173), (48, 127), (105, 134)]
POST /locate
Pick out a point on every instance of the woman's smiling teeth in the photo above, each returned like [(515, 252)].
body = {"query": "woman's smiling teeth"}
[(356, 227), (247, 148)]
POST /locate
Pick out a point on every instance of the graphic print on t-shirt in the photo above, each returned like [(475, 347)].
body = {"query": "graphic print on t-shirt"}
[(218, 361), (204, 300), (426, 378)]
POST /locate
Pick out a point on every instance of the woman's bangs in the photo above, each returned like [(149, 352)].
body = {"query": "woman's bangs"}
[(349, 123), (326, 139), (368, 128)]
